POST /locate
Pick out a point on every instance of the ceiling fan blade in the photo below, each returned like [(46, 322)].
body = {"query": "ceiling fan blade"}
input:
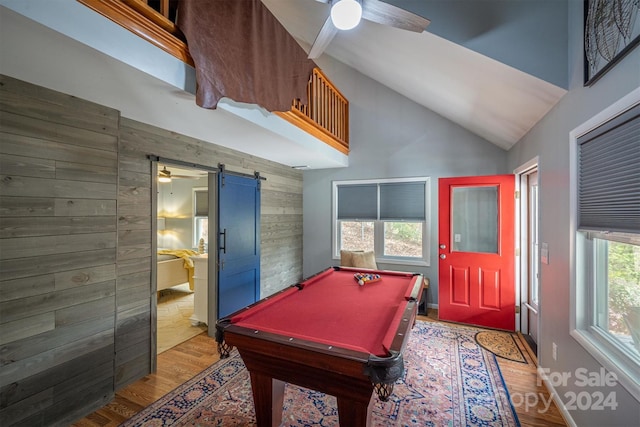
[(386, 14), (324, 37)]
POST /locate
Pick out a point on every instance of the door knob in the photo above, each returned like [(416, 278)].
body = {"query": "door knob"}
[(443, 256), (443, 246)]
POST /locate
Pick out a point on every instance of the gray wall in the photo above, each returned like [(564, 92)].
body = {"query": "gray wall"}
[(391, 137), (77, 304), (550, 140)]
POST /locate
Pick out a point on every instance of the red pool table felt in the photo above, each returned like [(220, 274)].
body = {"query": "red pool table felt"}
[(332, 308)]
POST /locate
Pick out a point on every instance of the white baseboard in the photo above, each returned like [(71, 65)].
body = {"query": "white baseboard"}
[(559, 403)]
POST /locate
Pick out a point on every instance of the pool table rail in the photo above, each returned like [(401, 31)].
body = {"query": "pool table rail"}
[(378, 370)]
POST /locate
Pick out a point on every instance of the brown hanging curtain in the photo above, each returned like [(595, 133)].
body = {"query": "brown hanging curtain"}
[(242, 52)]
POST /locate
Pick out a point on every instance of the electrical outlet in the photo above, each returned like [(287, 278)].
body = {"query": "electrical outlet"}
[(554, 351)]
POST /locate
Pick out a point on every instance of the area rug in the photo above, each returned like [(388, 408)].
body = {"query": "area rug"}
[(449, 380), (502, 344)]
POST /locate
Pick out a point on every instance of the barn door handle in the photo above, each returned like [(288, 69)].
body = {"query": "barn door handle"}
[(223, 234)]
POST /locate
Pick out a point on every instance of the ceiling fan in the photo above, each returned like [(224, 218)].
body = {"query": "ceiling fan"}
[(165, 174), (346, 14)]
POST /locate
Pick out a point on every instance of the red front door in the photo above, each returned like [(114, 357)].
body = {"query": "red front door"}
[(476, 280)]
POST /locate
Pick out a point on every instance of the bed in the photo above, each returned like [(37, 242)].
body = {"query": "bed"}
[(175, 267)]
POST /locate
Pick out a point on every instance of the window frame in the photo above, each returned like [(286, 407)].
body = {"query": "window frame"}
[(195, 237), (379, 224), (599, 345)]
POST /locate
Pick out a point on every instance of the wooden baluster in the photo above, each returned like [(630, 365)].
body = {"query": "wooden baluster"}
[(343, 116), (314, 111), (340, 116), (340, 119), (326, 106), (336, 103), (337, 117), (319, 95), (323, 98), (330, 110), (314, 98), (339, 108), (310, 94), (325, 118), (327, 121), (164, 8), (323, 95), (319, 101), (334, 108), (345, 121), (334, 112)]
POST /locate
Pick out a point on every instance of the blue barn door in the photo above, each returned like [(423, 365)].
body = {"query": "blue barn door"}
[(238, 242)]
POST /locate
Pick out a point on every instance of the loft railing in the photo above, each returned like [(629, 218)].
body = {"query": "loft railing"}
[(325, 116), (143, 20)]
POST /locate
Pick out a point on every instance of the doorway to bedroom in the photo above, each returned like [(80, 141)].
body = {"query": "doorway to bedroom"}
[(182, 254)]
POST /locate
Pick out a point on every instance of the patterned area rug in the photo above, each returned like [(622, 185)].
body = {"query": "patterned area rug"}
[(501, 344), (449, 380)]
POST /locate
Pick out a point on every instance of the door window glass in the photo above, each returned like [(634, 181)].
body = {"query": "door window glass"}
[(474, 219)]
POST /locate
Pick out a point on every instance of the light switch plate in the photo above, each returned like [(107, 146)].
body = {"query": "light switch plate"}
[(544, 253)]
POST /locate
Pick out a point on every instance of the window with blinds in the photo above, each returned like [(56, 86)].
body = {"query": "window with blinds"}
[(388, 216), (606, 156)]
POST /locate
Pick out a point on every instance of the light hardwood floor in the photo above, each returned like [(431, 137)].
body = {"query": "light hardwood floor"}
[(530, 398), (182, 362), (175, 307)]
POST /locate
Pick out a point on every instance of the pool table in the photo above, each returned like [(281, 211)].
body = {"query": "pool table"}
[(327, 333)]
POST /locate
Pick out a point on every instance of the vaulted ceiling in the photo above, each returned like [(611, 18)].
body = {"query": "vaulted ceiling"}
[(495, 67)]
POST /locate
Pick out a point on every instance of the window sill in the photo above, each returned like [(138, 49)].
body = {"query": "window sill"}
[(626, 370), (387, 261), (421, 263)]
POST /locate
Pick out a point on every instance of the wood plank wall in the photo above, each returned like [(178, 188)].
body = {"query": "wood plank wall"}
[(58, 196), (76, 247)]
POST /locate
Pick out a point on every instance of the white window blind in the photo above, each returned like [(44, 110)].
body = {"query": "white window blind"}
[(391, 201), (609, 175), (201, 203), (358, 202), (402, 201)]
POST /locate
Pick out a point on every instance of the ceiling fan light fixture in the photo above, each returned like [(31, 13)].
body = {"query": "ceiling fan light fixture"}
[(164, 175), (346, 14)]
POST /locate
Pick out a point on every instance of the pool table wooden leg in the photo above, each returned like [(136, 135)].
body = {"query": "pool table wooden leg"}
[(268, 396), (354, 413)]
